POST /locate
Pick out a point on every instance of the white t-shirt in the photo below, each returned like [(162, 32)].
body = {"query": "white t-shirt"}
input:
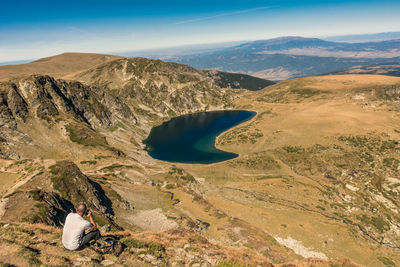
[(74, 228)]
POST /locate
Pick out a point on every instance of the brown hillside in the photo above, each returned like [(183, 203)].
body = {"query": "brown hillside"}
[(316, 180), (58, 66)]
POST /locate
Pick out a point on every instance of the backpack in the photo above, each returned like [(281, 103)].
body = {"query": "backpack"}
[(107, 245)]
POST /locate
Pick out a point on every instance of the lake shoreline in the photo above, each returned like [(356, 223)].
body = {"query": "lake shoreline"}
[(192, 138)]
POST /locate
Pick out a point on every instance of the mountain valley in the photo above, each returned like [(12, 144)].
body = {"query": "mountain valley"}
[(316, 182)]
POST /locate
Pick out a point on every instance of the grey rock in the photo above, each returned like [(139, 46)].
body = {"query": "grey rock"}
[(107, 262), (190, 256), (84, 259), (105, 229), (149, 258)]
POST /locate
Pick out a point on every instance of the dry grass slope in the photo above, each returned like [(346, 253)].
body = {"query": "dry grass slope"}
[(317, 174), (60, 66)]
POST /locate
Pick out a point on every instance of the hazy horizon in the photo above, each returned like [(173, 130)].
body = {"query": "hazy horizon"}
[(175, 50), (35, 30)]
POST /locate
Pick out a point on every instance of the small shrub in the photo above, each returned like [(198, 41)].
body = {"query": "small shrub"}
[(153, 248), (230, 264), (169, 186), (35, 194), (12, 194), (387, 261), (90, 162), (85, 135), (293, 149)]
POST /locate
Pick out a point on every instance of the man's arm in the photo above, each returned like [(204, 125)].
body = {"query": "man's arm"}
[(94, 226)]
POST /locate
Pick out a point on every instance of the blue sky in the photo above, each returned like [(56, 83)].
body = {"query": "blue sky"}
[(32, 29)]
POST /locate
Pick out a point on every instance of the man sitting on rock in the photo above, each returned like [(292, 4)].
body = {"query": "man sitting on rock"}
[(74, 236)]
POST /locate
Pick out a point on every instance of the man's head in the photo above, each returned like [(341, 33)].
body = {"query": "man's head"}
[(81, 209)]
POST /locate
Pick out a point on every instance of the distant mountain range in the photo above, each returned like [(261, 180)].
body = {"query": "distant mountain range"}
[(370, 37), (272, 59), (391, 69), (319, 47), (290, 57)]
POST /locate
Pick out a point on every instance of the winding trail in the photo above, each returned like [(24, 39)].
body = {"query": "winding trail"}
[(4, 200)]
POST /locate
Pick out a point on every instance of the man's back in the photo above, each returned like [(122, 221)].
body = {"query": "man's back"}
[(74, 228)]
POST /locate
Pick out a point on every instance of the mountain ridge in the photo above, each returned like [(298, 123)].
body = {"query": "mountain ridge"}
[(58, 65), (291, 57), (316, 175)]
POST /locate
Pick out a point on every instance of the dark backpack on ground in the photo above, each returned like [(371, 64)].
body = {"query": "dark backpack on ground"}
[(107, 245)]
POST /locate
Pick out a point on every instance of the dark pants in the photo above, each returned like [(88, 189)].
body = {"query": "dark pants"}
[(89, 236)]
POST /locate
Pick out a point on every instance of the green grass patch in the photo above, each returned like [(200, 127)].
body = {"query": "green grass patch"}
[(156, 249), (181, 175), (391, 163), (101, 157), (387, 261), (229, 264), (90, 162), (320, 207), (378, 223), (115, 166), (293, 149), (39, 215), (99, 220), (12, 194), (30, 254), (307, 92), (84, 135), (35, 194)]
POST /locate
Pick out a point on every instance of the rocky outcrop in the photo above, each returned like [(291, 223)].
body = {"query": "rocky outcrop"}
[(54, 208), (50, 195), (76, 187), (165, 88), (17, 104), (7, 119), (44, 97), (12, 109), (50, 97)]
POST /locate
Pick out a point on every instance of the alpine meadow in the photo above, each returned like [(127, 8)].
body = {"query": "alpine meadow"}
[(212, 133)]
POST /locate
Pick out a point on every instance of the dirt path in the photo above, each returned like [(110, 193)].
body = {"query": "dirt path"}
[(4, 200)]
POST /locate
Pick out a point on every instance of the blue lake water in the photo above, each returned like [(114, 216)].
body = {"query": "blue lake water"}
[(191, 138)]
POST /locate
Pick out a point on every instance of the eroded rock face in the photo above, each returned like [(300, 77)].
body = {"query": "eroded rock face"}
[(76, 187), (12, 109), (43, 97), (17, 104), (56, 208), (50, 97), (166, 88), (51, 196), (7, 119)]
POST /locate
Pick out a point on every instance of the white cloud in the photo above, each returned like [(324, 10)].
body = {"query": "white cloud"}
[(220, 15)]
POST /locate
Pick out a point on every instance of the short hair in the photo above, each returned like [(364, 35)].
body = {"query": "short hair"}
[(81, 208)]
